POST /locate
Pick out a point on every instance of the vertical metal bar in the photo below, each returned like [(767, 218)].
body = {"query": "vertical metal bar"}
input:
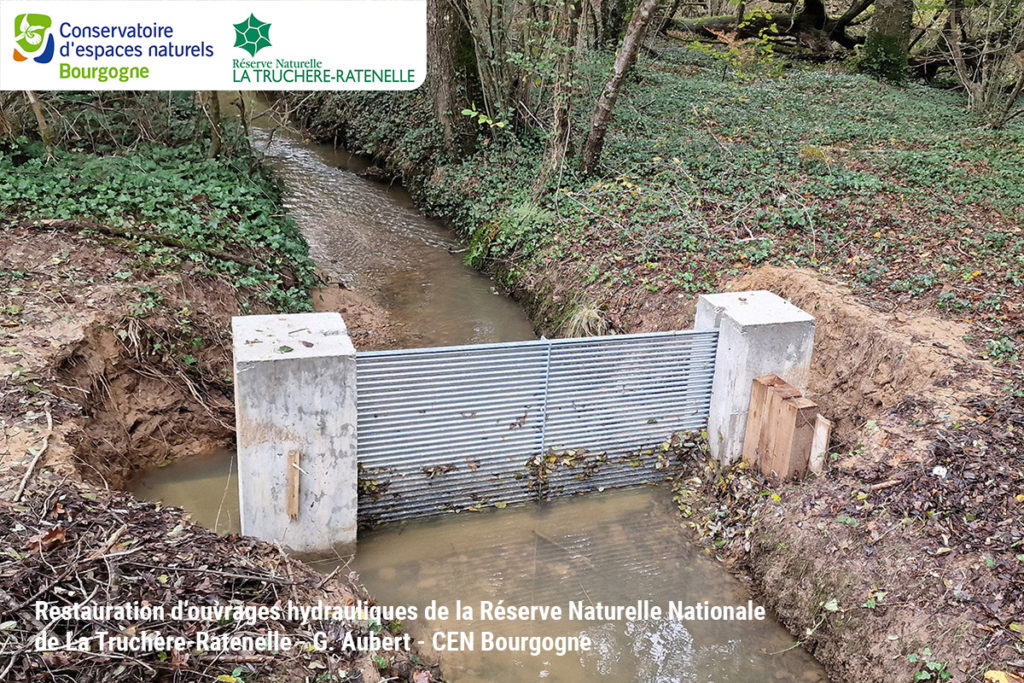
[(544, 403)]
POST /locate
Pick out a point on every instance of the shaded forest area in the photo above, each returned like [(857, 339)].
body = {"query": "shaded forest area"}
[(517, 62)]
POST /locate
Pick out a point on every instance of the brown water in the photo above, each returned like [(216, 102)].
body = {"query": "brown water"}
[(614, 547), (369, 235)]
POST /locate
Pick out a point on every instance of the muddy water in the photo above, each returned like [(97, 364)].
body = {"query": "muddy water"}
[(369, 236), (615, 547)]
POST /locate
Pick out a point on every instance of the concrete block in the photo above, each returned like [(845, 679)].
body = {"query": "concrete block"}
[(295, 390), (759, 333)]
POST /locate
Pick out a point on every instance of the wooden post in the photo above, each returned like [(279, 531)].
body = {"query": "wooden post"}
[(293, 484), (760, 397), (822, 434), (792, 432)]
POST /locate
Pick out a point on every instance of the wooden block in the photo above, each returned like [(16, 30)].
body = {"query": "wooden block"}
[(819, 446), (759, 392), (762, 392), (785, 442), (803, 436), (293, 484)]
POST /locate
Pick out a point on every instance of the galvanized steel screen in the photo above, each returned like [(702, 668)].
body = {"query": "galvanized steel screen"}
[(452, 428)]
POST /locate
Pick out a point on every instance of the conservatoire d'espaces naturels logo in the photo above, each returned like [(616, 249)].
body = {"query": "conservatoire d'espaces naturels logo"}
[(33, 38), (252, 35)]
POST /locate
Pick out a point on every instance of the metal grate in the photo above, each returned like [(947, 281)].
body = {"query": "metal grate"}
[(451, 428)]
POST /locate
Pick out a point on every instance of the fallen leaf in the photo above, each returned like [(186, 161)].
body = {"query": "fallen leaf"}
[(1002, 677), (46, 541)]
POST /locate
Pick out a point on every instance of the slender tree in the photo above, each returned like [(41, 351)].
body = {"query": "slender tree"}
[(605, 104), (213, 114), (562, 96), (44, 129)]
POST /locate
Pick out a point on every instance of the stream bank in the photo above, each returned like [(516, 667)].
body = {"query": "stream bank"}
[(903, 561), (121, 264), (95, 392)]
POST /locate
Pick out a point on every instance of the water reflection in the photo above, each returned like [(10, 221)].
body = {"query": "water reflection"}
[(615, 547)]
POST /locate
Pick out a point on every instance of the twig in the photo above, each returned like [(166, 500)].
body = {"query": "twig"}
[(244, 577), (109, 544), (38, 455), (711, 132), (323, 582)]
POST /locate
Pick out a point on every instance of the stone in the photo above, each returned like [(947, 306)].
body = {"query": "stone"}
[(759, 333)]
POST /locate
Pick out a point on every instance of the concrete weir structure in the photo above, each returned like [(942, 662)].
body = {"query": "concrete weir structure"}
[(295, 416), (452, 428), (759, 333)]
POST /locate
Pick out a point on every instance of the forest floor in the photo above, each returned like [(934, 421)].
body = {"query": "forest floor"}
[(115, 356), (885, 212)]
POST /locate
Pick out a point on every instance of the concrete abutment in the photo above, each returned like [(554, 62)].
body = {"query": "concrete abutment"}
[(296, 414)]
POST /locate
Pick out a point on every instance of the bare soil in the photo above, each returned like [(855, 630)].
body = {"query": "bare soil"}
[(368, 322), (108, 366), (911, 542)]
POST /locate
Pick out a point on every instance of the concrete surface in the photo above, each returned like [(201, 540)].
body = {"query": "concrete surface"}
[(759, 333), (295, 388)]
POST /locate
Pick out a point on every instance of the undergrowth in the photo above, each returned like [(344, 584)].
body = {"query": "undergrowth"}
[(708, 172), (165, 185)]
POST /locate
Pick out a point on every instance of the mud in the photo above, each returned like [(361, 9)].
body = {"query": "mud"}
[(369, 323), (124, 383)]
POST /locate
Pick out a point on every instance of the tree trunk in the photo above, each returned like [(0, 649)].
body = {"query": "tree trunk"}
[(443, 28), (638, 24), (613, 15), (44, 129), (812, 27), (670, 14), (888, 41), (213, 113), (558, 145)]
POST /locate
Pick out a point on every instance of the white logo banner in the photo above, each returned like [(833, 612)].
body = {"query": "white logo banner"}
[(212, 45)]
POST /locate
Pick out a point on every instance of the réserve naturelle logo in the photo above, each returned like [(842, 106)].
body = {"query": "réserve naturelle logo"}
[(33, 38), (252, 35)]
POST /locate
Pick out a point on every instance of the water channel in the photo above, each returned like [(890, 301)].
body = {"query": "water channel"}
[(615, 547)]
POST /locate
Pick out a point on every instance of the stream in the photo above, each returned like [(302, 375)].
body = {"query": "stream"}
[(615, 547)]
